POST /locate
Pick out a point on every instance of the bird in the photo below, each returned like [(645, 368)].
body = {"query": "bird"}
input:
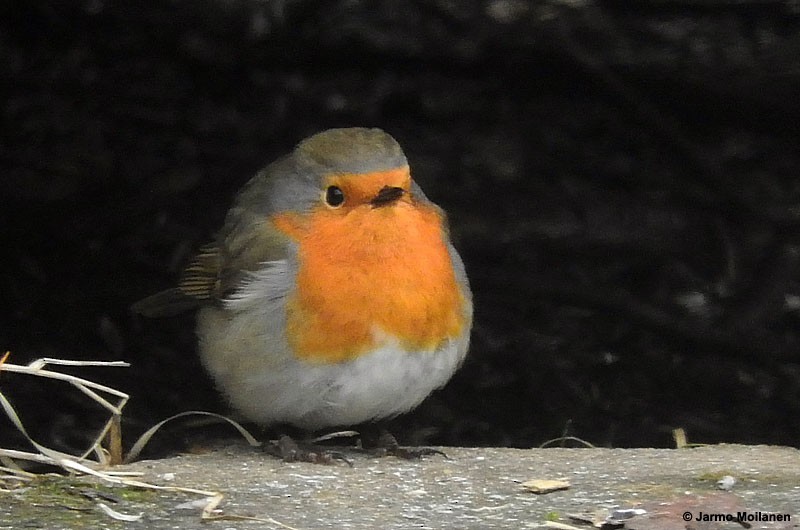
[(332, 296)]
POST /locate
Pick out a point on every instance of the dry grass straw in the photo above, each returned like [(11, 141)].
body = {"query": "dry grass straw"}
[(133, 454), (110, 399), (95, 460)]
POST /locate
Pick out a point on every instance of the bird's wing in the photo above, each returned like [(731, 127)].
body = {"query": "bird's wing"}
[(200, 279), (248, 245)]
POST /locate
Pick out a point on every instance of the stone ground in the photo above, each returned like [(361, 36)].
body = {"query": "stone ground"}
[(472, 488)]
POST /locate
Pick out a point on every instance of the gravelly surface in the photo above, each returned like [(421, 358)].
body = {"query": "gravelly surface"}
[(474, 488)]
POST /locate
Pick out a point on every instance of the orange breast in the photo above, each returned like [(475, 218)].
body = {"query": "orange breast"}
[(369, 273)]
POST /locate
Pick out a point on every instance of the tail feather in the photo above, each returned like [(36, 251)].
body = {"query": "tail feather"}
[(165, 304)]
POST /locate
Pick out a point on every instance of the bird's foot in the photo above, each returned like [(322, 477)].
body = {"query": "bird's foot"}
[(287, 449), (386, 445)]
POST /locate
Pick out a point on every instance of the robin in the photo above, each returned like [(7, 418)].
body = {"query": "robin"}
[(332, 296)]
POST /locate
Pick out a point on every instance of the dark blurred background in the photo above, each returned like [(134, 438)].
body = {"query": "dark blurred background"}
[(622, 179)]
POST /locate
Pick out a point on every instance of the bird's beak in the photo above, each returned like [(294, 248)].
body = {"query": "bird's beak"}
[(386, 196)]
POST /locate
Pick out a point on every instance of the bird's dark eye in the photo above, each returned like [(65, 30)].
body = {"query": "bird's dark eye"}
[(334, 196)]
